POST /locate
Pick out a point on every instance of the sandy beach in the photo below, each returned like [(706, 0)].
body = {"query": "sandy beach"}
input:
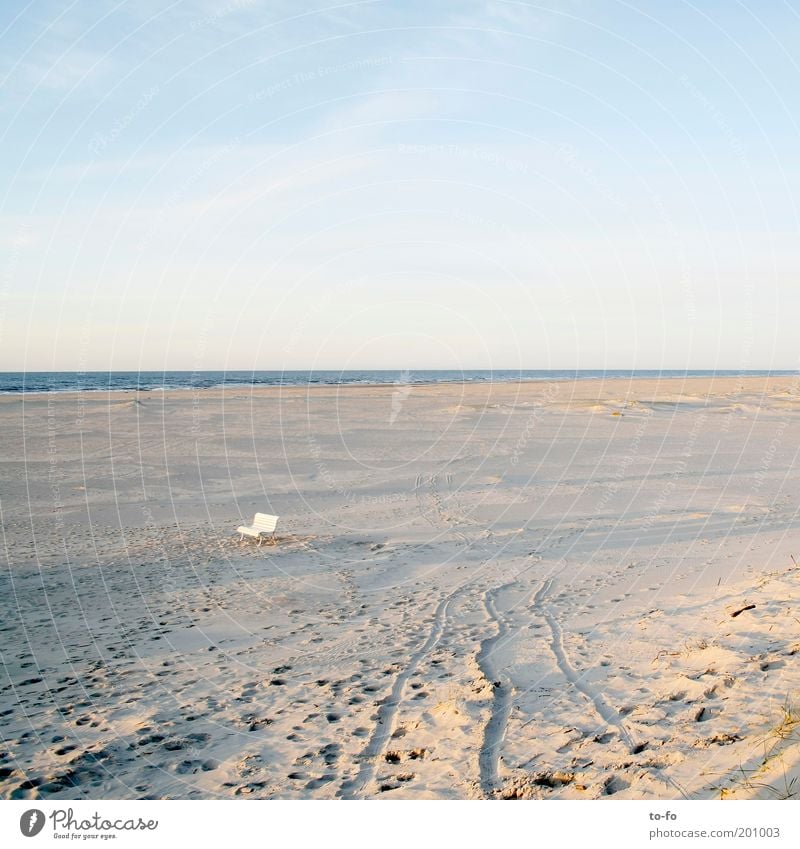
[(538, 590)]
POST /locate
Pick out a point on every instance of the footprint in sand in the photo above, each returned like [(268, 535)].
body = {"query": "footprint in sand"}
[(614, 784)]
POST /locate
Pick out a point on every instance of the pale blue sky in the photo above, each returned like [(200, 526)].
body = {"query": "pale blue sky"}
[(267, 185)]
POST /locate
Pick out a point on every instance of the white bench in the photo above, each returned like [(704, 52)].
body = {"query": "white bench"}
[(263, 524)]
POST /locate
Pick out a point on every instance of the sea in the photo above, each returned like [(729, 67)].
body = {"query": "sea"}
[(158, 381)]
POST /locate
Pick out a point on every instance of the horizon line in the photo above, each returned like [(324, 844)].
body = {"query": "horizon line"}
[(685, 370)]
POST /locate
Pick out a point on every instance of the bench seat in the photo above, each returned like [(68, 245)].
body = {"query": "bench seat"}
[(263, 525)]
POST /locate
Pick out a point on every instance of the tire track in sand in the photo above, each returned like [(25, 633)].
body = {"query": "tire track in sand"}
[(608, 714), (495, 730), (384, 725)]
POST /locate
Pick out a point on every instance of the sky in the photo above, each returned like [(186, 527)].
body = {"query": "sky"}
[(248, 184)]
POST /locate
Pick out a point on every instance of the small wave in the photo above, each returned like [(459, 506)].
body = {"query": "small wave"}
[(13, 383)]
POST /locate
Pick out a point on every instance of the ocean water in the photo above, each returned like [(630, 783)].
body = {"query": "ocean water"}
[(154, 381)]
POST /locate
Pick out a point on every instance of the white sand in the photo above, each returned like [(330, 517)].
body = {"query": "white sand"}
[(477, 591)]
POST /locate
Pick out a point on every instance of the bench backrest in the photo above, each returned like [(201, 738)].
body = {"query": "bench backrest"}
[(265, 522)]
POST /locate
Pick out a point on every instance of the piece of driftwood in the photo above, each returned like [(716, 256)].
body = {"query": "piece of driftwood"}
[(742, 610)]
